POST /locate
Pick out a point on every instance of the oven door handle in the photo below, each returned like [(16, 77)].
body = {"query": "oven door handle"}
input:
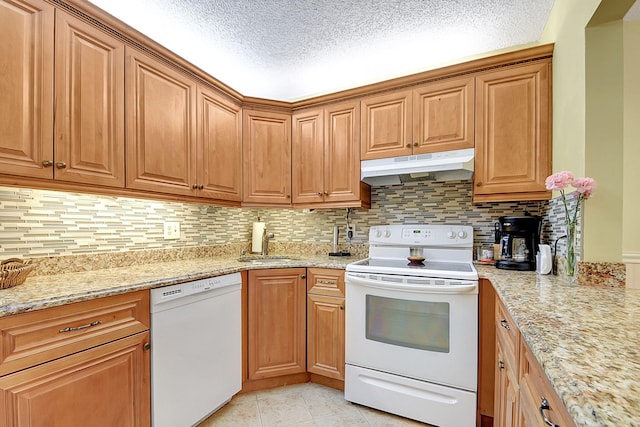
[(453, 289)]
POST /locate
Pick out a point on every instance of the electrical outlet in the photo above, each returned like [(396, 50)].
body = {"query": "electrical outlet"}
[(350, 232), (171, 230)]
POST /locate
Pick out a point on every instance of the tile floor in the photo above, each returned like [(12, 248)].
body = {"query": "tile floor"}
[(305, 405)]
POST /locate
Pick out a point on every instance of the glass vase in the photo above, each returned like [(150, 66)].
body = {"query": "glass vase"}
[(571, 250)]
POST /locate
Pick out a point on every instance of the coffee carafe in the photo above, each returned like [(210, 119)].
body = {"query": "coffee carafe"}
[(519, 240)]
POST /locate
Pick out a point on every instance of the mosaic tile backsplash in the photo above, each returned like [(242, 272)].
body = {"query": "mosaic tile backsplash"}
[(37, 223)]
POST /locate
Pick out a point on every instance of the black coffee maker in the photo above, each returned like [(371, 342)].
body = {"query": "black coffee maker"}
[(519, 237)]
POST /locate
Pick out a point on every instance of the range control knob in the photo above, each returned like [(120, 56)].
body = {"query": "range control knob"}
[(462, 234), (451, 234), (387, 233), (379, 233)]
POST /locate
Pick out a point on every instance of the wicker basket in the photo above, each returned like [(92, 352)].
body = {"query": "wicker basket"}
[(13, 272)]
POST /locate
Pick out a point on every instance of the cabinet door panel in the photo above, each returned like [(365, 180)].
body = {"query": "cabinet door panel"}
[(506, 392), (219, 150), (386, 126), (267, 158), (26, 85), (512, 132), (307, 161), (107, 385), (534, 387), (160, 126), (276, 322), (342, 156), (89, 104), (443, 116), (325, 336)]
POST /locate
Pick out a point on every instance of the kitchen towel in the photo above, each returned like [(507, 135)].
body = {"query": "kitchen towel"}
[(256, 237)]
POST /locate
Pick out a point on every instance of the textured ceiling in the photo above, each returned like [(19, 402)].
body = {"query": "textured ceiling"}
[(295, 49)]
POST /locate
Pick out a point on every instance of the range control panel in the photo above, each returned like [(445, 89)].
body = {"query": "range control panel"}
[(422, 235)]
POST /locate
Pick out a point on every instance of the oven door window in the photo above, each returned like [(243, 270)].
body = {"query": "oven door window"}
[(423, 325)]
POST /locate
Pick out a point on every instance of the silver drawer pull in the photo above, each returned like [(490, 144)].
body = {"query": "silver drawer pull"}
[(544, 406), (77, 328), (327, 282), (504, 324)]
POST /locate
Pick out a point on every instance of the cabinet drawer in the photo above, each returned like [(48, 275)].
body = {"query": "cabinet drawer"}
[(508, 334), (32, 338), (325, 281)]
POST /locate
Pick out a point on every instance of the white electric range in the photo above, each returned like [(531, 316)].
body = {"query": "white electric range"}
[(412, 324)]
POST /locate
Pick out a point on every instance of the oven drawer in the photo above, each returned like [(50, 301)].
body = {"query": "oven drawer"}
[(419, 400), (32, 338), (507, 333)]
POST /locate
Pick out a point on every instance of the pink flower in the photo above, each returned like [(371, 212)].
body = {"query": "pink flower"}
[(584, 187), (559, 181)]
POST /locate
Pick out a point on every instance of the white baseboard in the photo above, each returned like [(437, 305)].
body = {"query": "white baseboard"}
[(632, 275), (631, 257)]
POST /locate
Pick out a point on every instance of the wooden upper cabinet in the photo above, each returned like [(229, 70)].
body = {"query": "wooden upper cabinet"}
[(341, 153), (443, 116), (513, 142), (326, 158), (386, 125), (89, 107), (26, 88), (266, 158), (307, 161), (160, 126), (433, 117), (219, 151)]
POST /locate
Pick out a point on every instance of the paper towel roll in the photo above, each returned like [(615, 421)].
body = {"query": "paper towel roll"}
[(256, 237)]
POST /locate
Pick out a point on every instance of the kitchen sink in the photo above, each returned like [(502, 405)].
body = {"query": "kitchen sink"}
[(266, 259)]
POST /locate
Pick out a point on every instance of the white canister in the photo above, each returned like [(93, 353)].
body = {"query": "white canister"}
[(544, 260)]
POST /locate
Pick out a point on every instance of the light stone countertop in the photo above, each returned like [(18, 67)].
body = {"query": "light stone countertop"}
[(39, 292), (587, 339)]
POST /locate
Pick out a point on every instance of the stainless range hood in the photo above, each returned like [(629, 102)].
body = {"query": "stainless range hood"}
[(442, 166)]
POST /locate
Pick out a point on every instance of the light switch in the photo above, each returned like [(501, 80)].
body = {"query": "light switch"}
[(171, 230)]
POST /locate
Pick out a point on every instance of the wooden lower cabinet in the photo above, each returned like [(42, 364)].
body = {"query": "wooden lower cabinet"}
[(105, 386), (537, 397), (520, 383), (325, 322), (506, 392), (276, 322), (81, 364)]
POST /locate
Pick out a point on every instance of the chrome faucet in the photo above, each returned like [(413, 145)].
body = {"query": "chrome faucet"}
[(265, 241)]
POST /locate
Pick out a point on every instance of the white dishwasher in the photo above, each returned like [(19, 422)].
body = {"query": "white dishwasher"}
[(196, 349)]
